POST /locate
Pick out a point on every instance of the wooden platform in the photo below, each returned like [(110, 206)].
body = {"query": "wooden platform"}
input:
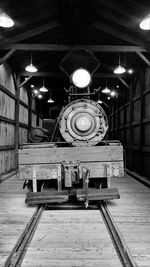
[(14, 215), (77, 237), (132, 215)]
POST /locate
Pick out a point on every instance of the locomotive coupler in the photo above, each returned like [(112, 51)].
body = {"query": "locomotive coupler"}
[(71, 173)]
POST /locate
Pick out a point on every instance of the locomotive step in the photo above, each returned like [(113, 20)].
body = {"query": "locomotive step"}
[(98, 194)]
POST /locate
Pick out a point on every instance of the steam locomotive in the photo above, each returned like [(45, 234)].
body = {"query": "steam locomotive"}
[(80, 166)]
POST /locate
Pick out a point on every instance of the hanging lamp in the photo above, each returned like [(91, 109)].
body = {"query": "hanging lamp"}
[(119, 69), (145, 23), (106, 90), (50, 100), (5, 20), (43, 88), (31, 67)]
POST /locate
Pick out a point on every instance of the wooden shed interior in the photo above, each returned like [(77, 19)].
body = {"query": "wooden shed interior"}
[(47, 30)]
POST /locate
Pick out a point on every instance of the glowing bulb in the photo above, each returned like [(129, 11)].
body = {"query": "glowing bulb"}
[(31, 68), (50, 100), (112, 93), (40, 96), (145, 23), (99, 101), (130, 71), (108, 97), (35, 91), (106, 90), (43, 89), (6, 21), (119, 70), (81, 78), (32, 85)]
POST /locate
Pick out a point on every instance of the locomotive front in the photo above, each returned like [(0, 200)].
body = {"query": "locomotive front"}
[(82, 166), (83, 123)]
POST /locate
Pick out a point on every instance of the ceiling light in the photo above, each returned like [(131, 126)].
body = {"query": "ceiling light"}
[(6, 21), (106, 90), (35, 91), (130, 71), (108, 97), (31, 67), (112, 93), (39, 96), (50, 100), (99, 101), (145, 23), (81, 78), (43, 88), (119, 70)]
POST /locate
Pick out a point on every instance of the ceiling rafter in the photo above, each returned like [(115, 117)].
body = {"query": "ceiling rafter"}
[(30, 33), (8, 55), (61, 74), (123, 82), (143, 58), (94, 48), (118, 34)]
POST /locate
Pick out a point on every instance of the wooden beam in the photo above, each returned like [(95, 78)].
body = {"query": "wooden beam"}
[(117, 33), (94, 48), (16, 139), (59, 74), (30, 33), (26, 80), (143, 58), (8, 55), (123, 82)]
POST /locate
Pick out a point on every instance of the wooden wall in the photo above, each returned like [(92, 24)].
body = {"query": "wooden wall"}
[(8, 118), (130, 122)]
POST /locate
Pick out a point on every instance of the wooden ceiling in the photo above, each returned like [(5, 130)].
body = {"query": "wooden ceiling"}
[(51, 28)]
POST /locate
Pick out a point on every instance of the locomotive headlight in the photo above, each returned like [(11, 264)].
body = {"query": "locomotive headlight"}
[(81, 78)]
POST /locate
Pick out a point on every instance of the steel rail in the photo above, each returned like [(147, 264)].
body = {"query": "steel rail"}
[(120, 245), (17, 254)]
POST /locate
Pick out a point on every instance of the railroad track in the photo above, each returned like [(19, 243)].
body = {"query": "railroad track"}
[(18, 253)]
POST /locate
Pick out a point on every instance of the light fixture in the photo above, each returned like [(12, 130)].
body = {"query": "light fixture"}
[(50, 100), (35, 91), (31, 67), (117, 86), (113, 93), (32, 85), (39, 96), (119, 69), (106, 90), (130, 71), (43, 88), (108, 97), (5, 20), (81, 78), (145, 23), (99, 101)]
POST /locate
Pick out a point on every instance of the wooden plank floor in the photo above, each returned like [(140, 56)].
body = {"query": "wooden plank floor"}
[(14, 215), (71, 238), (132, 215)]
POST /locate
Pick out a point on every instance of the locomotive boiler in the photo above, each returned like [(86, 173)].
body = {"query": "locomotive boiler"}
[(80, 166)]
